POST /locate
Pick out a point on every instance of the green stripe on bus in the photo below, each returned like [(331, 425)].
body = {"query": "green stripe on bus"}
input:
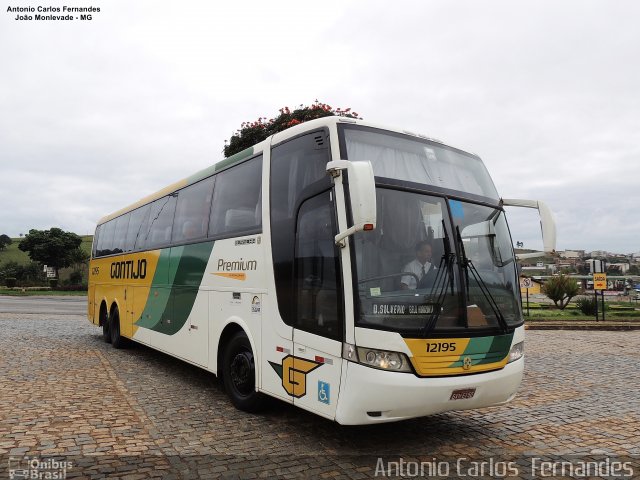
[(483, 350), (196, 177), (246, 153), (498, 350), (185, 271), (207, 172), (159, 294)]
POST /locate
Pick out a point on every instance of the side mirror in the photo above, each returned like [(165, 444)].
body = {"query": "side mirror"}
[(362, 196), (547, 224)]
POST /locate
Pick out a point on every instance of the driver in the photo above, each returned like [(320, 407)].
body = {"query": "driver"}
[(420, 266)]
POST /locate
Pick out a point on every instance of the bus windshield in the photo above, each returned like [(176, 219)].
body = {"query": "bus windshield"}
[(432, 267), (489, 265), (413, 159)]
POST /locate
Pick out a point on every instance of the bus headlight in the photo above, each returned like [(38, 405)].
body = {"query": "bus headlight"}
[(382, 359), (517, 352)]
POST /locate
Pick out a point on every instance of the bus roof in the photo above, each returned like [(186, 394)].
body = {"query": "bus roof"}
[(259, 147), (196, 177)]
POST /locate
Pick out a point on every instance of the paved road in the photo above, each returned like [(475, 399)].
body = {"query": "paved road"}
[(137, 413), (71, 305)]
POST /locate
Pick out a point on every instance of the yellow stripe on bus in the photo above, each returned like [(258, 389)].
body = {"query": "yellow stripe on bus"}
[(131, 272)]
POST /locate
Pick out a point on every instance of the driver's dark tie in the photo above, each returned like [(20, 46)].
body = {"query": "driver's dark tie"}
[(423, 273)]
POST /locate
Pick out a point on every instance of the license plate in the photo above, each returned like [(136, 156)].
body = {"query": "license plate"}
[(463, 394)]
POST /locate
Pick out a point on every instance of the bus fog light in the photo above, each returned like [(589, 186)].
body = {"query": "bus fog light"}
[(517, 352), (394, 361)]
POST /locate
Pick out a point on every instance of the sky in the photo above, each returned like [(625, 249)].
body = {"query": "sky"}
[(96, 114)]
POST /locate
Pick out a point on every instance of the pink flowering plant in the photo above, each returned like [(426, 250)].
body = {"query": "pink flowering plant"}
[(251, 133)]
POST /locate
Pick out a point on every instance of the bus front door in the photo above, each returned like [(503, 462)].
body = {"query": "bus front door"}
[(319, 318)]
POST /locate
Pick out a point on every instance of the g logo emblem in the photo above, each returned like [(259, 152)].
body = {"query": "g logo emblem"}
[(293, 373), (466, 363)]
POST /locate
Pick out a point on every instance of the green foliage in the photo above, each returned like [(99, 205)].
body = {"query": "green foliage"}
[(251, 133), (4, 241), (561, 290), (31, 273), (79, 257), (11, 270), (75, 278), (11, 282), (53, 248), (587, 305)]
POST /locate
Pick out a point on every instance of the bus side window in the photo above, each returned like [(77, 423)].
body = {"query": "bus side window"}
[(96, 241), (237, 200), (192, 212), (119, 238), (105, 243), (137, 224), (160, 222), (316, 269)]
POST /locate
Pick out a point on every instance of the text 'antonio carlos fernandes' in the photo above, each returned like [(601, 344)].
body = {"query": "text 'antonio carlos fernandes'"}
[(495, 468), (63, 9)]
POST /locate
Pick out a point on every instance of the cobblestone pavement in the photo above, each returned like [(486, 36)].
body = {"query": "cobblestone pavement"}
[(137, 413)]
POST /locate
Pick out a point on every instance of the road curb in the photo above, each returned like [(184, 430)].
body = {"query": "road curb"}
[(583, 327)]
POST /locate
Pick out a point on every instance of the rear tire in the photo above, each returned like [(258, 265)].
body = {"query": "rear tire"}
[(239, 375), (104, 320), (117, 340)]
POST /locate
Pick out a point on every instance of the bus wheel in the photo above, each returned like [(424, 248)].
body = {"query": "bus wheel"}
[(104, 320), (117, 340), (239, 374)]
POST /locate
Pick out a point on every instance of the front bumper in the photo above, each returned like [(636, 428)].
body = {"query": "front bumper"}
[(373, 396)]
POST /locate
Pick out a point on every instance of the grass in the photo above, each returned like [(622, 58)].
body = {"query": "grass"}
[(13, 254), (617, 311), (48, 293)]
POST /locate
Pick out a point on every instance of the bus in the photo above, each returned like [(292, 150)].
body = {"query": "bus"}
[(289, 270)]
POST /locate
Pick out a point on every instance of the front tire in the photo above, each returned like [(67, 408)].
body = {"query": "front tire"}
[(239, 374)]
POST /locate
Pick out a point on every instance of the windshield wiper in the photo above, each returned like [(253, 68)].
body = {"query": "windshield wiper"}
[(468, 266), (444, 279)]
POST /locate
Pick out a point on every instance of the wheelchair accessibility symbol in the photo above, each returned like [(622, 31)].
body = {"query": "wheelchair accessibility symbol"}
[(324, 392)]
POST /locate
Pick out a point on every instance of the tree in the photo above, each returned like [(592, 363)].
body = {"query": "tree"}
[(561, 290), (11, 270), (51, 247), (251, 133), (4, 241), (79, 262)]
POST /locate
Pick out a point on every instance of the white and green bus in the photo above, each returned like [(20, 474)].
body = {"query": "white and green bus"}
[(363, 273)]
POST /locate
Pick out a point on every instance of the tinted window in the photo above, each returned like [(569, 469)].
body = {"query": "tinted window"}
[(105, 242), (298, 171), (120, 235), (318, 289), (159, 224), (237, 200), (192, 211), (137, 224), (417, 160), (96, 241)]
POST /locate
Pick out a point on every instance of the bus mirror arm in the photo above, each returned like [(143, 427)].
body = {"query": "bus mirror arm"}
[(547, 225), (361, 195)]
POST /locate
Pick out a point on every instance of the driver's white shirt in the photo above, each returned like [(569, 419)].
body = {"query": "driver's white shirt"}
[(414, 267)]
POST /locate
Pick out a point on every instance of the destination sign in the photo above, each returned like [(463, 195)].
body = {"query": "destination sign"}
[(400, 309)]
